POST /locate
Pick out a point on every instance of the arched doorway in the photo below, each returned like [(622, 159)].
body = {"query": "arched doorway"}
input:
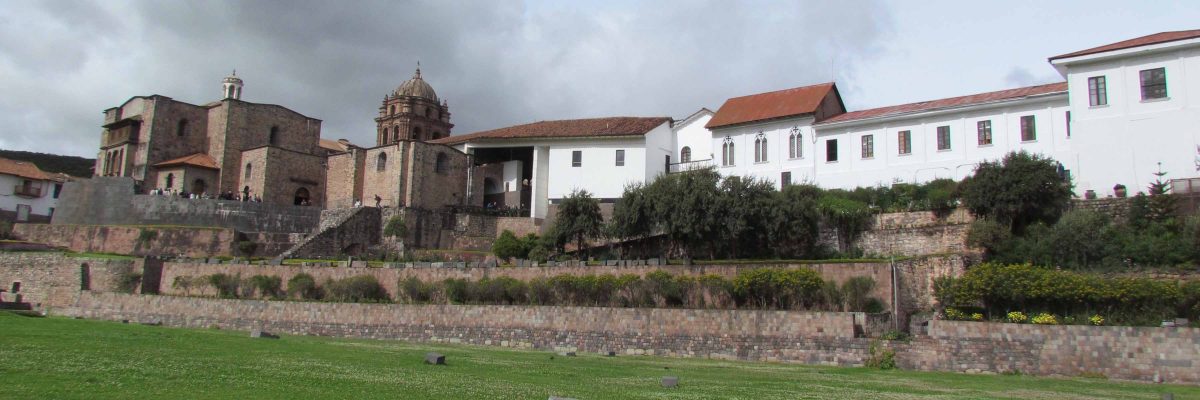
[(489, 186), (198, 186), (301, 196)]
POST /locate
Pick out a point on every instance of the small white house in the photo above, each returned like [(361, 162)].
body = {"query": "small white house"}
[(27, 194)]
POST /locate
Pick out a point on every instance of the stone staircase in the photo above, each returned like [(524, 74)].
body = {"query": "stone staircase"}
[(342, 231)]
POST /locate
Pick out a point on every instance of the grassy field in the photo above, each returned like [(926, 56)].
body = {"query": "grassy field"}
[(64, 358)]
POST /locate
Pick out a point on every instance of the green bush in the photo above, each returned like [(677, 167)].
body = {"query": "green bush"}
[(246, 247), (5, 229), (267, 286), (1001, 288), (1018, 191), (128, 281), (507, 246), (147, 235), (778, 289), (857, 292), (395, 228), (415, 291), (303, 286), (356, 289), (226, 285), (881, 357)]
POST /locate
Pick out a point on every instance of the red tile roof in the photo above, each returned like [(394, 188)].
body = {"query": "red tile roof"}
[(23, 169), (569, 128), (1156, 38), (340, 145), (771, 105), (196, 160), (960, 101)]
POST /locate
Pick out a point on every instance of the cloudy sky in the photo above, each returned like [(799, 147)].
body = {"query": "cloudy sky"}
[(504, 63)]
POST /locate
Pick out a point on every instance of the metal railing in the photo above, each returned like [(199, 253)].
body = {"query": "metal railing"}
[(689, 166)]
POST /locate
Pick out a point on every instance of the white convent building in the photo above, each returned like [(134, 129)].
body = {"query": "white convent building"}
[(1125, 110)]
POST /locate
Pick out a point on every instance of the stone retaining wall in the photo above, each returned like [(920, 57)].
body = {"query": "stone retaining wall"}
[(52, 279), (1138, 353), (174, 241), (808, 337)]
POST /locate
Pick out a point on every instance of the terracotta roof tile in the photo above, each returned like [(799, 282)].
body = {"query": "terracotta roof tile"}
[(592, 127), (1162, 37), (771, 105), (339, 145), (23, 169), (196, 160), (949, 102)]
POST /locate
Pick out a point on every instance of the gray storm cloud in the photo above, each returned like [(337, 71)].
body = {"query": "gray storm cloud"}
[(498, 63)]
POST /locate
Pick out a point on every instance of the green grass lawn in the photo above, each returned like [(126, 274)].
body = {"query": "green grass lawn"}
[(65, 358)]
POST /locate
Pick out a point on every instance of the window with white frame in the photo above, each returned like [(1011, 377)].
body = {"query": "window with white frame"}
[(904, 142), (577, 158), (831, 150), (868, 146), (795, 143), (620, 158), (727, 152), (760, 148), (1028, 128)]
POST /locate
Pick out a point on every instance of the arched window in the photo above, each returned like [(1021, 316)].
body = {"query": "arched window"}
[(428, 112), (416, 135), (182, 128), (685, 155), (381, 162), (301, 197), (198, 186), (396, 133), (760, 147), (170, 181), (273, 136), (391, 109), (441, 164), (249, 171), (792, 144), (727, 152)]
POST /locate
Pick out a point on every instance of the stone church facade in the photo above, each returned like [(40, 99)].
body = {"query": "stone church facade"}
[(269, 152)]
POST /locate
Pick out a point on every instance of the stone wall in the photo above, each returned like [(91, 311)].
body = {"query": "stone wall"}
[(189, 242), (342, 231), (1116, 208), (808, 337), (1136, 353), (55, 280), (917, 233), (344, 177), (111, 201), (520, 226), (915, 279)]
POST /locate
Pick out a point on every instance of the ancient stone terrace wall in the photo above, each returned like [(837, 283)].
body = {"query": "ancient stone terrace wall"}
[(808, 337), (390, 277), (917, 233), (1169, 355), (1116, 208), (111, 201), (54, 280), (190, 242), (342, 231)]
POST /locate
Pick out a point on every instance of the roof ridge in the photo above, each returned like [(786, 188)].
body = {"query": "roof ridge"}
[(1146, 40), (948, 102)]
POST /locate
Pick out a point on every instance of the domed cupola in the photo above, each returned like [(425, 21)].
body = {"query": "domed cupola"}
[(417, 87)]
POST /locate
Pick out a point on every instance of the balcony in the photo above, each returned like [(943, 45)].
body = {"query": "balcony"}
[(27, 191), (689, 166)]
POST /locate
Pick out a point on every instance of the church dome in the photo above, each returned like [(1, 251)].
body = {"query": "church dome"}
[(232, 78), (416, 87)]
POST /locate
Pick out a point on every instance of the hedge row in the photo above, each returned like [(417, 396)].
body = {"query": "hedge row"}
[(998, 289), (762, 288)]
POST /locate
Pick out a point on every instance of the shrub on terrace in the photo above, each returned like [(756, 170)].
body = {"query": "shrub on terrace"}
[(267, 286), (226, 285), (357, 289), (303, 286)]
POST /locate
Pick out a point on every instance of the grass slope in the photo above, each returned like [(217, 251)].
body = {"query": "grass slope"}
[(63, 358)]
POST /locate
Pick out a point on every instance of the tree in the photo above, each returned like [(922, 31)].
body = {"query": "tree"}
[(796, 220), (684, 206), (849, 216), (1018, 191), (1160, 206), (507, 246), (633, 215), (744, 212), (578, 219)]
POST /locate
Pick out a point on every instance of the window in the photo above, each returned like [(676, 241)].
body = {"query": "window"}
[(985, 132), (381, 162), (442, 164), (905, 142), (57, 189), (620, 158), (685, 155), (249, 171), (1154, 84), (1028, 129), (868, 146), (396, 133), (1068, 124), (943, 137), (391, 109), (1097, 91), (727, 152), (51, 213), (785, 179), (795, 141), (274, 134), (760, 148), (577, 158), (831, 153), (181, 129), (416, 135), (170, 181)]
